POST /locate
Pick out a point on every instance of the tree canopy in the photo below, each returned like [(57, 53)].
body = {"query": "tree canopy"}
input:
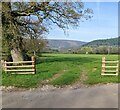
[(33, 19)]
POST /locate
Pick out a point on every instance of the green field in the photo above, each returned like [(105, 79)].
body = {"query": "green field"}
[(61, 70)]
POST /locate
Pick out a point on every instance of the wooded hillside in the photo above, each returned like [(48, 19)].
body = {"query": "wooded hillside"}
[(103, 42)]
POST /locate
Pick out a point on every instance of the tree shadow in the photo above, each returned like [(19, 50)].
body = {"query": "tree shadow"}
[(69, 59)]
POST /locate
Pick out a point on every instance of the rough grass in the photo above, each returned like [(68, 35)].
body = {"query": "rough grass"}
[(69, 67)]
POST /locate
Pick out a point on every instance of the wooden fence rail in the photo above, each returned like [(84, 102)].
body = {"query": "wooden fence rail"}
[(20, 67), (113, 69)]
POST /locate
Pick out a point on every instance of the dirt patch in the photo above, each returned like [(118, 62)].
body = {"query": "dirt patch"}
[(94, 69), (57, 75), (13, 89), (51, 87), (80, 83)]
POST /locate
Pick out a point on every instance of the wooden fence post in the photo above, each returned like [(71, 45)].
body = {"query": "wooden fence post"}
[(2, 64), (5, 66), (33, 63), (117, 69), (103, 65)]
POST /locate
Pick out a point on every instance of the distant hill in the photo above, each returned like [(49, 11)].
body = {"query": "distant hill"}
[(103, 42), (64, 44)]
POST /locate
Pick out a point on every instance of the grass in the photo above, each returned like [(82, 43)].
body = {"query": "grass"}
[(62, 69)]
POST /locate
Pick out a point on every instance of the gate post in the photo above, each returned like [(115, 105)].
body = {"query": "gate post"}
[(103, 65), (33, 63), (117, 69)]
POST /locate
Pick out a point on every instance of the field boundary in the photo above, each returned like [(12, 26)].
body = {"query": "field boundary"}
[(114, 69), (19, 67)]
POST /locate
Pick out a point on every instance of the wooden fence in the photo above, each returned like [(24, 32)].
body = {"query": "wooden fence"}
[(20, 67), (110, 67)]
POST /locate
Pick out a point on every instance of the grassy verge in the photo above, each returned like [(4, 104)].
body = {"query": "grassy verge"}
[(62, 69)]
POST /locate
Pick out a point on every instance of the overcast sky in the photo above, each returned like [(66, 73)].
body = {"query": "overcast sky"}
[(104, 24)]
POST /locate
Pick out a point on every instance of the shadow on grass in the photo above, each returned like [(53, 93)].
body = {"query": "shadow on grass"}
[(68, 59), (47, 56)]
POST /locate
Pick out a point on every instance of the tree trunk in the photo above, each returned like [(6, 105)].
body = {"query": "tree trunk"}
[(11, 34), (16, 55)]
